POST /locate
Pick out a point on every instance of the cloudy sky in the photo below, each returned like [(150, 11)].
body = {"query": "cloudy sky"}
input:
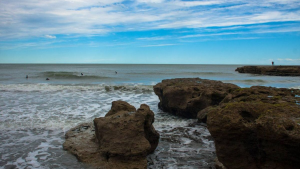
[(150, 31)]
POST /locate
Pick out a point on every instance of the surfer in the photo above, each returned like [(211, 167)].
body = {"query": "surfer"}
[(47, 78), (26, 76), (81, 74), (116, 72)]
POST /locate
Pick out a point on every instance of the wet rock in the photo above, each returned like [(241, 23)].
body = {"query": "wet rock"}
[(121, 139), (81, 142), (271, 70), (257, 127), (118, 106), (187, 96)]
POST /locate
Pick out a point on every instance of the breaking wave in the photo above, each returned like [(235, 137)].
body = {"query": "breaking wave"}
[(71, 75), (44, 87)]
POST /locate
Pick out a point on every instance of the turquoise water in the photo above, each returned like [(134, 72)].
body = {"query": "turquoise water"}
[(35, 113)]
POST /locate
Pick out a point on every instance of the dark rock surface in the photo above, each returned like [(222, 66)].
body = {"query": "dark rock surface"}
[(121, 139), (271, 70), (187, 96), (257, 127)]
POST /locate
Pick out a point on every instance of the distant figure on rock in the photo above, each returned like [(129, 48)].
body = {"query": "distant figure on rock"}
[(272, 63), (26, 76), (81, 74), (47, 78)]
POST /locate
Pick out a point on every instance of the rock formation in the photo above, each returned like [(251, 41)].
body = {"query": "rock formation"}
[(271, 70), (187, 96), (257, 127), (121, 139)]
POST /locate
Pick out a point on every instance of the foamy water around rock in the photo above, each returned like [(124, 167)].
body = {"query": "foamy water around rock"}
[(34, 119)]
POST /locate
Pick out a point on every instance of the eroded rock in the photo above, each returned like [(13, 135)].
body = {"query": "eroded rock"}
[(187, 96), (257, 127), (121, 139)]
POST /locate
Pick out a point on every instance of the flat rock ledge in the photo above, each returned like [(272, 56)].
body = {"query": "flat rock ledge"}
[(121, 139), (271, 70), (187, 96)]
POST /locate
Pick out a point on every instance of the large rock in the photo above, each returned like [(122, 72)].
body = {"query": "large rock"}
[(257, 127), (271, 70), (121, 139), (187, 96)]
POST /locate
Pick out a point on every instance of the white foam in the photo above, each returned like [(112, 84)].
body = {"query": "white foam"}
[(296, 87), (35, 110)]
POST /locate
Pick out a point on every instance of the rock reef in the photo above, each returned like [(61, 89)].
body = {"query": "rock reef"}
[(271, 70), (187, 96), (253, 128), (121, 139), (257, 128)]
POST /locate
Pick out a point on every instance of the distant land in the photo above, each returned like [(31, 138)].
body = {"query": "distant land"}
[(271, 70)]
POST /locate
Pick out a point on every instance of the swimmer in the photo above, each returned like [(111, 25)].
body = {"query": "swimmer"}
[(26, 76), (81, 74), (116, 72), (47, 78)]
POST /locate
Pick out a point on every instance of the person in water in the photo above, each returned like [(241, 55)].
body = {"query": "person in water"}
[(47, 78), (116, 72), (81, 74), (26, 76)]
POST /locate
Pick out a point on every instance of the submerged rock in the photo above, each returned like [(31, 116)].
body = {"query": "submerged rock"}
[(187, 96), (257, 127), (122, 139), (271, 70)]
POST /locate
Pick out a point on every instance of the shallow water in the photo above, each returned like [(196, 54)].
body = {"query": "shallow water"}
[(35, 114)]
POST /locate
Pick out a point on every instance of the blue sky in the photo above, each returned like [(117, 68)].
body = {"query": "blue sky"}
[(150, 31)]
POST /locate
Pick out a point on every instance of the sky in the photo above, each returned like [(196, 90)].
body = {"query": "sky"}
[(150, 31)]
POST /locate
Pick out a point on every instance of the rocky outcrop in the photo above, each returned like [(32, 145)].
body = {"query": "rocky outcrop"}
[(271, 70), (121, 139), (253, 128), (81, 142), (120, 106), (257, 127), (187, 96)]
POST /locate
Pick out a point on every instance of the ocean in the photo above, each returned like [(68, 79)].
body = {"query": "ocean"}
[(35, 113)]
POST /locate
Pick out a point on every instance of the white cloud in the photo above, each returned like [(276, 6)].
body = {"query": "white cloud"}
[(34, 18), (158, 45), (288, 59), (50, 37), (150, 1)]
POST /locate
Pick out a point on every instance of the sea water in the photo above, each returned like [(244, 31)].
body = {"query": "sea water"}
[(35, 113)]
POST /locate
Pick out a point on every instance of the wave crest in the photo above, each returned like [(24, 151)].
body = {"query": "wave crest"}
[(71, 75)]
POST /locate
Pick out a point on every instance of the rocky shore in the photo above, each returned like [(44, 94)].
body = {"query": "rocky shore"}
[(253, 128), (257, 127), (271, 70)]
